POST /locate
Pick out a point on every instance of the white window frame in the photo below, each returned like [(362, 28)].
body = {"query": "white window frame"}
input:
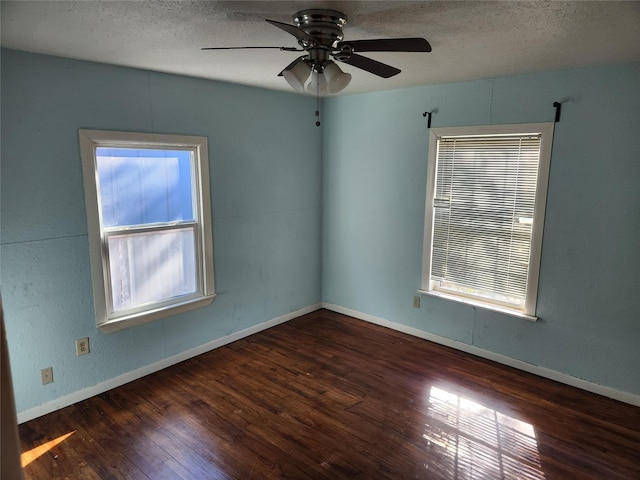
[(428, 287), (107, 320)]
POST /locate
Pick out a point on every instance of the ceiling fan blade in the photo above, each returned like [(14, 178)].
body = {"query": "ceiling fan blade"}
[(387, 45), (300, 34), (292, 64), (373, 66), (284, 49)]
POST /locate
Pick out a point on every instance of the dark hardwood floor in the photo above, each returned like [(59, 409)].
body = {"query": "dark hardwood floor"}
[(330, 397)]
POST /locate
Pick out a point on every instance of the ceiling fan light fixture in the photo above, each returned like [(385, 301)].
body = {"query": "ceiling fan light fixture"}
[(318, 84), (297, 77), (336, 79)]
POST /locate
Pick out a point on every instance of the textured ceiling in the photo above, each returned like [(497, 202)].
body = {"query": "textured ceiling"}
[(470, 39)]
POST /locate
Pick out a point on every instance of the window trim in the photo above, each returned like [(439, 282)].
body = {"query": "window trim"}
[(545, 130), (98, 249)]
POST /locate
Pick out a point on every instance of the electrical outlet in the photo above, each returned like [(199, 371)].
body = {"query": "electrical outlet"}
[(47, 375), (82, 346), (416, 302)]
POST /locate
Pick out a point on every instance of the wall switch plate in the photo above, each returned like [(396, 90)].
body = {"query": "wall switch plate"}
[(47, 375), (416, 302), (82, 346)]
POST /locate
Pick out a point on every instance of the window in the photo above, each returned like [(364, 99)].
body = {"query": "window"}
[(484, 216), (149, 221)]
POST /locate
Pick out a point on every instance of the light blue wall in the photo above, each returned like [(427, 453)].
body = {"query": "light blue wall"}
[(265, 170), (375, 159), (303, 214)]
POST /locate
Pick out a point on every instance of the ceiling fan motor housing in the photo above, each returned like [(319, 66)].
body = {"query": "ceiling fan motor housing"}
[(324, 25)]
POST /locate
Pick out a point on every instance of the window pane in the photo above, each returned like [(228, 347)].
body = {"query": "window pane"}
[(151, 267), (139, 186), (483, 208)]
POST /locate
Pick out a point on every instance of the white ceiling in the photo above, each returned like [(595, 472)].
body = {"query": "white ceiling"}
[(470, 39)]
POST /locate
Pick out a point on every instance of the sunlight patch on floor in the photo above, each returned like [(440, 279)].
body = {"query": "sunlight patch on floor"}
[(471, 441), (29, 456)]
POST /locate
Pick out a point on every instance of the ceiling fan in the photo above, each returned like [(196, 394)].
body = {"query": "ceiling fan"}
[(319, 34)]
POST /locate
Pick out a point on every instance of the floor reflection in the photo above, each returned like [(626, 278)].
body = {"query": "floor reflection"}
[(29, 456), (467, 440)]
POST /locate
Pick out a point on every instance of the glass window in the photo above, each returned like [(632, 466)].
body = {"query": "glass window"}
[(485, 214), (149, 220)]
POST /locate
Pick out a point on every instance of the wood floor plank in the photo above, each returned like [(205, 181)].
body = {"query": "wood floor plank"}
[(329, 397)]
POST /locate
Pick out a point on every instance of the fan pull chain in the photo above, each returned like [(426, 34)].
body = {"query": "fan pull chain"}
[(318, 105)]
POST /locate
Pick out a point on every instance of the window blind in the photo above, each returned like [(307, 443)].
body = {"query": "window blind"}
[(485, 191)]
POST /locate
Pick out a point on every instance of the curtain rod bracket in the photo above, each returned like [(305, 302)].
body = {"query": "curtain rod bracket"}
[(428, 119), (558, 107)]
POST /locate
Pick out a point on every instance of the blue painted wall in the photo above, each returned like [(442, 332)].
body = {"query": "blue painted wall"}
[(303, 214), (265, 170), (375, 159)]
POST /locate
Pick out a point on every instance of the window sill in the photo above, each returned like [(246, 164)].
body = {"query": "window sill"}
[(478, 304), (141, 318)]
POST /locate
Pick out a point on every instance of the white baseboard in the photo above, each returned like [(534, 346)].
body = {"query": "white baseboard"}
[(102, 387), (609, 392)]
